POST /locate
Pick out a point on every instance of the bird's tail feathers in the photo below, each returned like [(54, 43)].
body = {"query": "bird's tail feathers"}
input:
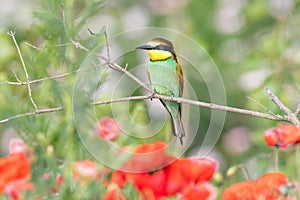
[(178, 129)]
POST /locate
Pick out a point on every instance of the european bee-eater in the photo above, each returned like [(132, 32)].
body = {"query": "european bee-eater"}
[(165, 75)]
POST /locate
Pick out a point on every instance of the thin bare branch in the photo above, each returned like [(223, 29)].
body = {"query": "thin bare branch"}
[(91, 32), (45, 78), (277, 102), (12, 83), (221, 107), (197, 103), (291, 117), (16, 76), (126, 65), (115, 66), (12, 34), (36, 112), (158, 96), (37, 80), (107, 46), (79, 46), (133, 98), (127, 73), (64, 44), (35, 47)]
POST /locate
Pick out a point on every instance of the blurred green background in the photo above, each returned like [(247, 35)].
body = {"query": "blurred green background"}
[(254, 43)]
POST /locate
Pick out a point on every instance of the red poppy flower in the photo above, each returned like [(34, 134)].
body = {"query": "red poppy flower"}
[(15, 170), (272, 137), (240, 191), (59, 179), (146, 157), (201, 190), (175, 180), (113, 194), (188, 170), (182, 175), (289, 134), (201, 169), (14, 167), (119, 178), (283, 135), (108, 129), (268, 185), (149, 184)]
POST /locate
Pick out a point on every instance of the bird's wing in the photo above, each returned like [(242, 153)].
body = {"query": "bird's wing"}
[(179, 76)]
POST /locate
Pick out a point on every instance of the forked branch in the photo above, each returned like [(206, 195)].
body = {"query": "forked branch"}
[(12, 34)]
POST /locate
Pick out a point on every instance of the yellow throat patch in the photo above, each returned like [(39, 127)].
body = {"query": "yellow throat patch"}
[(159, 54)]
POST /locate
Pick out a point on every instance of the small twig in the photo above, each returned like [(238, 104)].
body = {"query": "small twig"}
[(91, 32), (133, 98), (36, 80), (16, 76), (64, 44), (12, 83), (76, 44), (291, 117), (12, 34), (109, 62), (126, 65), (107, 46), (259, 104), (45, 78), (244, 168), (115, 66), (36, 112), (79, 46), (277, 102), (35, 47), (127, 73)]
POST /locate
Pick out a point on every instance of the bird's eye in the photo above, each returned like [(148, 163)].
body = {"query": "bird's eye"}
[(161, 47)]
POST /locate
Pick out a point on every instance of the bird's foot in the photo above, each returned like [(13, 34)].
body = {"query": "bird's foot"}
[(151, 96), (172, 97)]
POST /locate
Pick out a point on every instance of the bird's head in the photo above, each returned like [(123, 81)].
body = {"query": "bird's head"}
[(159, 49)]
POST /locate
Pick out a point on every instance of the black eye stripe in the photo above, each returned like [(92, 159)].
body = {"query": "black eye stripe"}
[(163, 47), (160, 47)]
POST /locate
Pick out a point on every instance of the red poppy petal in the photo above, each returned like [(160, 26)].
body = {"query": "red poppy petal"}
[(238, 191)]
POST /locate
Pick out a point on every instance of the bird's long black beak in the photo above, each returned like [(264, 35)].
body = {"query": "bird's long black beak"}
[(145, 47)]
